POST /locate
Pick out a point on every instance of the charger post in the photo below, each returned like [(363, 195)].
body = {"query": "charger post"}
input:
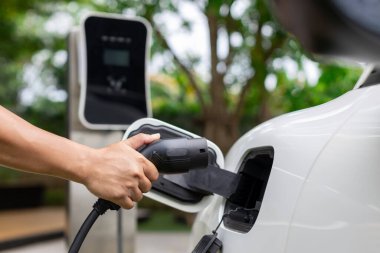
[(105, 70)]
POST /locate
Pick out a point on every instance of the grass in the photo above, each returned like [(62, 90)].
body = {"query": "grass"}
[(164, 220)]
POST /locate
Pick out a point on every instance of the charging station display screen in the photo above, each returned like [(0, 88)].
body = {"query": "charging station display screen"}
[(116, 57), (115, 78)]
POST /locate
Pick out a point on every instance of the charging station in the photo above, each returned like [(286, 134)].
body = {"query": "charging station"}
[(113, 52), (108, 90)]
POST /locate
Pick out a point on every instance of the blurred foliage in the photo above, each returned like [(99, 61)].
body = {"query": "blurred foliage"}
[(8, 177), (333, 82), (55, 197), (160, 220), (33, 56)]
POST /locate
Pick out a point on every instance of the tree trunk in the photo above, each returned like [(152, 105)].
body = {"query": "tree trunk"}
[(218, 124), (264, 112), (221, 129)]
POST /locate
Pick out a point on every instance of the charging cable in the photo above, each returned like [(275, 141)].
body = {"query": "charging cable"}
[(99, 208)]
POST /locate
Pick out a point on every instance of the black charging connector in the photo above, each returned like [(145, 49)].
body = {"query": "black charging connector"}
[(178, 155), (170, 156)]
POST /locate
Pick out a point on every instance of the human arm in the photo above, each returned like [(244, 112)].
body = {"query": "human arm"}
[(117, 172)]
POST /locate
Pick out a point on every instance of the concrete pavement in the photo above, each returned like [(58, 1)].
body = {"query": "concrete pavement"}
[(146, 242), (26, 223)]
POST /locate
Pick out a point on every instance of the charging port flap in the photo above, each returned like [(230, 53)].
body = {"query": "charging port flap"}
[(175, 190)]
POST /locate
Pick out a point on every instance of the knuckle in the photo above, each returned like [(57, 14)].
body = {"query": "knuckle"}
[(119, 194), (128, 205), (155, 175), (139, 196), (136, 174), (146, 186), (129, 185), (141, 159)]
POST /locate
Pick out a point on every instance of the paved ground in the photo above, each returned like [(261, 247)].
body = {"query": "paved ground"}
[(145, 243), (56, 246), (27, 222)]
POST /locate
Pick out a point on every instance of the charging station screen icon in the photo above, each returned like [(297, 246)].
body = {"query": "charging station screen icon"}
[(116, 57)]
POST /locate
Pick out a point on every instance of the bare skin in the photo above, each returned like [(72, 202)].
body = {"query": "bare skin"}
[(117, 172)]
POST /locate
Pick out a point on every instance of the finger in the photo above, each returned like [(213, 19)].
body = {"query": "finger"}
[(135, 194), (150, 170), (127, 203), (141, 139), (144, 184)]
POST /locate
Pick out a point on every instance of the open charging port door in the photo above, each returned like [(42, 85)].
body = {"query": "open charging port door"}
[(174, 190)]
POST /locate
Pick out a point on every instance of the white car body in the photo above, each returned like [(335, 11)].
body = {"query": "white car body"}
[(323, 193)]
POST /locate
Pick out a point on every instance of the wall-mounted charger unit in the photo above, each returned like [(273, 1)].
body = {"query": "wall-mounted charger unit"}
[(113, 52)]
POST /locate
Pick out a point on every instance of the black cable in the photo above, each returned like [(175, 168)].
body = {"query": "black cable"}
[(82, 233), (100, 207), (119, 232)]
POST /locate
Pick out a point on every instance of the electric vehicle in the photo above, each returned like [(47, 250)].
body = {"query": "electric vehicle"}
[(307, 181)]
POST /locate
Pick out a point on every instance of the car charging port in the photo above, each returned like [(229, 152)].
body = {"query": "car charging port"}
[(246, 201)]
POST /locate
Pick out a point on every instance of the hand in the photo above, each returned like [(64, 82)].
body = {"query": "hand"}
[(120, 174)]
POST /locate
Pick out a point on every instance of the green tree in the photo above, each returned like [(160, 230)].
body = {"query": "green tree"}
[(234, 97), (21, 41), (244, 44)]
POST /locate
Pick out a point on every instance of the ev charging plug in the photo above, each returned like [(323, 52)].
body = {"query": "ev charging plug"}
[(170, 156), (177, 155)]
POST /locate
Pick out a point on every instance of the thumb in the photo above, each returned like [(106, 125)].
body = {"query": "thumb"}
[(141, 139)]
